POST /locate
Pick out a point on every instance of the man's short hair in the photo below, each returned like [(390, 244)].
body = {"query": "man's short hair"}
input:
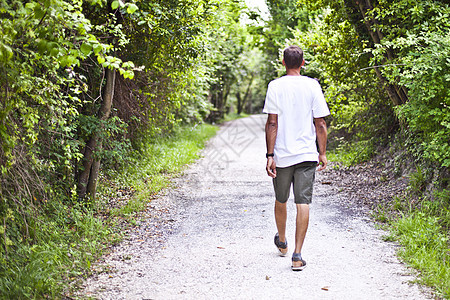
[(293, 57)]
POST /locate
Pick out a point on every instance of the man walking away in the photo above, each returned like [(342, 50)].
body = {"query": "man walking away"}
[(296, 107)]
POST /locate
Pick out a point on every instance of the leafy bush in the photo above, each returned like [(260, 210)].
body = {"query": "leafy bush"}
[(427, 114), (48, 246), (55, 60)]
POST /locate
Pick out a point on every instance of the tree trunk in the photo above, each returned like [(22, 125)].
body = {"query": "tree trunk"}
[(227, 89), (396, 94), (242, 101), (247, 92), (249, 108), (239, 102), (87, 180), (88, 158), (92, 183)]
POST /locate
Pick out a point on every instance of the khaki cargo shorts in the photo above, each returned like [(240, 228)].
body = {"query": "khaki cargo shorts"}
[(301, 176)]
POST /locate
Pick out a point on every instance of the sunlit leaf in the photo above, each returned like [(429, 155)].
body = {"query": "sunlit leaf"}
[(131, 8), (115, 4)]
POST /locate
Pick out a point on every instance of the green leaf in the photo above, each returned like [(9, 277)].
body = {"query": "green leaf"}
[(31, 5), (100, 59), (68, 60), (132, 8), (63, 61), (41, 45), (7, 52), (86, 49), (55, 51), (38, 12), (130, 74), (51, 45), (128, 64), (115, 4), (97, 48)]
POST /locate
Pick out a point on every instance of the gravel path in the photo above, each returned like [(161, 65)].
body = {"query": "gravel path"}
[(212, 238)]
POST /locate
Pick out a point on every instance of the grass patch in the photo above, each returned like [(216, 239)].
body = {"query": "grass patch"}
[(351, 153), (234, 116), (64, 239), (421, 227), (150, 171), (381, 213), (425, 248)]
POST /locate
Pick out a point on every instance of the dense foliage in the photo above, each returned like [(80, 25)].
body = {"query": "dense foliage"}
[(94, 83), (384, 67), (91, 83)]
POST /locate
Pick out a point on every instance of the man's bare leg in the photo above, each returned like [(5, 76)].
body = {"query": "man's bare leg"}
[(302, 222), (280, 220)]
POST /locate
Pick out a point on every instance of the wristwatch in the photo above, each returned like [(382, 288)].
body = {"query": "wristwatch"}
[(269, 155)]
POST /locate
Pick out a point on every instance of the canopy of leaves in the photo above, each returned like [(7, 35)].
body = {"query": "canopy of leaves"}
[(369, 53), (171, 57)]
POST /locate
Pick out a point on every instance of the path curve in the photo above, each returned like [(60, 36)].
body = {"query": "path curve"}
[(212, 238)]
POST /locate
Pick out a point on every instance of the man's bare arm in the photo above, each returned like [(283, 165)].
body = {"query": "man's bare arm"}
[(271, 137), (321, 132)]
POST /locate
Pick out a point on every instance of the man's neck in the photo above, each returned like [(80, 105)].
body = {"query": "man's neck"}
[(293, 72)]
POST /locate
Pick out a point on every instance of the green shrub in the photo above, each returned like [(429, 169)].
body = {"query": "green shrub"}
[(427, 114)]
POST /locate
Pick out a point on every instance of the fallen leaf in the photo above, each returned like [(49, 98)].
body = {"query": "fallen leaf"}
[(267, 277)]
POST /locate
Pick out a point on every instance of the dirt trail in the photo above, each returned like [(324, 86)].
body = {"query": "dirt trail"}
[(212, 238)]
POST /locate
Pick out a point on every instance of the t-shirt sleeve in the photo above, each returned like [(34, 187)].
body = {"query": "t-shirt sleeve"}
[(320, 107), (270, 105)]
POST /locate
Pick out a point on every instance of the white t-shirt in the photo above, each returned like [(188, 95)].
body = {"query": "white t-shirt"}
[(297, 100)]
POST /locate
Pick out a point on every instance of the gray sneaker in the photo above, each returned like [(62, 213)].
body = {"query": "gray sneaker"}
[(282, 247)]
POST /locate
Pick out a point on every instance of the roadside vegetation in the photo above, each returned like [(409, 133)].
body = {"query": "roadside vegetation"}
[(420, 221), (103, 100), (384, 69), (68, 237), (413, 215), (101, 103)]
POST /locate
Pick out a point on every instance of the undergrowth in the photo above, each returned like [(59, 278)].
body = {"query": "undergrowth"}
[(423, 232), (64, 239), (425, 247), (352, 153), (421, 227)]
